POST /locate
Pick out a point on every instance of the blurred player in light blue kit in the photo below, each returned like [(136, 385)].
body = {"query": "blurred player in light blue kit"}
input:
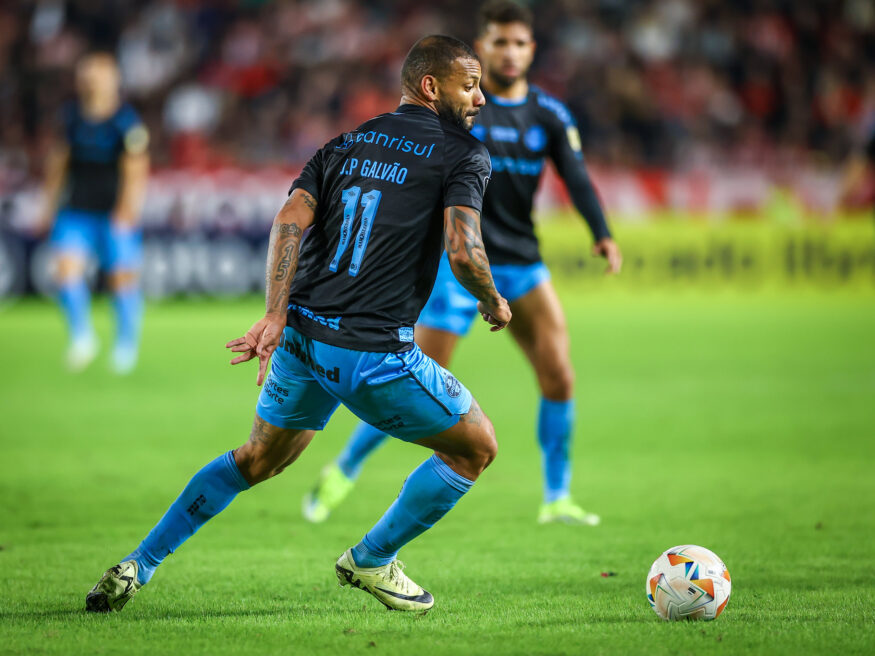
[(95, 183), (521, 126)]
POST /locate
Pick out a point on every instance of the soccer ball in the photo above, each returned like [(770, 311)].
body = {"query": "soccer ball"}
[(688, 583)]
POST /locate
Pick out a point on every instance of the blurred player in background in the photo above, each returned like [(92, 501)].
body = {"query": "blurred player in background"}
[(521, 126), (380, 200), (95, 182)]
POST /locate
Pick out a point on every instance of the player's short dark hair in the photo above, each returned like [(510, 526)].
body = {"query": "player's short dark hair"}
[(433, 55), (502, 12)]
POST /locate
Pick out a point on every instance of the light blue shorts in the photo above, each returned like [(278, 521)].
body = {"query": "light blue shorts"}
[(452, 309), (407, 395), (93, 234)]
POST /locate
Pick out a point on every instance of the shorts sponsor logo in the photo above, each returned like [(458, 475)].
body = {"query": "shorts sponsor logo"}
[(390, 424), (295, 349), (405, 334), (453, 386), (275, 392)]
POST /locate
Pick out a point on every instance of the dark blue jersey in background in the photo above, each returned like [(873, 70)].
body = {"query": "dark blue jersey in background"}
[(520, 136), (96, 148), (369, 262)]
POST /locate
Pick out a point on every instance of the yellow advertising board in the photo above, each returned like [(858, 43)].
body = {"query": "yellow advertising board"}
[(740, 254)]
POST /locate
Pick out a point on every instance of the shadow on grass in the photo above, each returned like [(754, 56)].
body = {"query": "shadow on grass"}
[(160, 614)]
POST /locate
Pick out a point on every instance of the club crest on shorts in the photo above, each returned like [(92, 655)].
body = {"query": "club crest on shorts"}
[(453, 386)]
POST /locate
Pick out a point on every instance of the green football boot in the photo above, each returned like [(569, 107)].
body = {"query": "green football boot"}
[(332, 488), (566, 511), (114, 589), (389, 584)]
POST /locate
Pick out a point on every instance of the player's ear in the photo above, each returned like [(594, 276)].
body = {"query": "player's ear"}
[(429, 87)]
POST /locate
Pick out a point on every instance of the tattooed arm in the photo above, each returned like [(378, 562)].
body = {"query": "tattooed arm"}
[(282, 261), (467, 256), (282, 254)]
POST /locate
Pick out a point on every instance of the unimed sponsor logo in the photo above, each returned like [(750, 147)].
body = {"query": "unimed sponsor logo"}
[(295, 349)]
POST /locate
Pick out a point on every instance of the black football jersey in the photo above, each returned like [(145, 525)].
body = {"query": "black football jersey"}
[(369, 261), (520, 135), (95, 150)]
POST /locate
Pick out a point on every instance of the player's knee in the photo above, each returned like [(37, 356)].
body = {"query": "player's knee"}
[(121, 280), (557, 383), (68, 269), (486, 447)]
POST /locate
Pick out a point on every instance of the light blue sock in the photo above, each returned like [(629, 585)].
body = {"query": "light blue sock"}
[(128, 304), (555, 431), (364, 440), (427, 495), (75, 299), (205, 496)]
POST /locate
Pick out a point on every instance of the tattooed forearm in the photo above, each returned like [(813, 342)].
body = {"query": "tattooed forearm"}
[(285, 262), (285, 243), (464, 244), (289, 229), (289, 250), (282, 261)]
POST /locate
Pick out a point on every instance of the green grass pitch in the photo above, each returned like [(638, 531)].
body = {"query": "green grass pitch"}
[(741, 423)]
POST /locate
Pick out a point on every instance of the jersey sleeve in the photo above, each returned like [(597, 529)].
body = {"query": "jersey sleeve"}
[(135, 136), (565, 151), (310, 179), (468, 175)]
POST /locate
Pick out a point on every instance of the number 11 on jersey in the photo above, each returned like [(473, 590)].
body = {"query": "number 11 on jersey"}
[(370, 203)]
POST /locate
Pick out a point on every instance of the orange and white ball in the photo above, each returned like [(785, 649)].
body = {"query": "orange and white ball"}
[(688, 583)]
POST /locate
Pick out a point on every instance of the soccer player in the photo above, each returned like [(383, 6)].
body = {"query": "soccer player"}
[(97, 178), (521, 125), (378, 202)]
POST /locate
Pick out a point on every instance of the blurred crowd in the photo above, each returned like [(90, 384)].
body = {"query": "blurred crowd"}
[(653, 83)]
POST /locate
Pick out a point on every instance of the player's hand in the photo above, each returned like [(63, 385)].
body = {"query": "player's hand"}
[(499, 316), (123, 219), (43, 224), (260, 342), (608, 249)]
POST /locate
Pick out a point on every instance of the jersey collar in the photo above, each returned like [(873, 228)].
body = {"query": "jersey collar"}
[(505, 102), (407, 108)]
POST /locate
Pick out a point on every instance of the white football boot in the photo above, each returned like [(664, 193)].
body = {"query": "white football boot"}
[(389, 584), (114, 589), (81, 353)]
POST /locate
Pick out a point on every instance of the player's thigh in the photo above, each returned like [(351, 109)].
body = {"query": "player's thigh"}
[(407, 395), (469, 446), (292, 397), (269, 450), (540, 329), (121, 253), (73, 240), (437, 344)]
